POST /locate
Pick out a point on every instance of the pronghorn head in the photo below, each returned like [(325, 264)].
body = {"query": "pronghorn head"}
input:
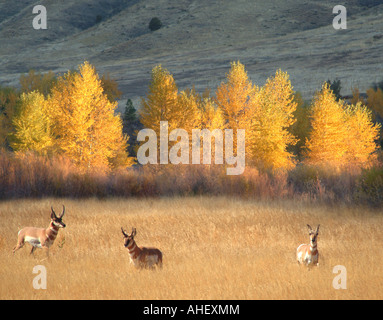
[(313, 234), (57, 221), (128, 239)]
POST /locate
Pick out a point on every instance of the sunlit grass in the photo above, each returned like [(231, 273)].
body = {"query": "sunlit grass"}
[(213, 248)]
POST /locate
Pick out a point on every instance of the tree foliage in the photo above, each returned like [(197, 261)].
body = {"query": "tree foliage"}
[(300, 129), (235, 97), (363, 134), (9, 100), (33, 125), (210, 116), (165, 103), (85, 125), (341, 135), (161, 101), (75, 114), (34, 81), (375, 102), (327, 142), (335, 86), (272, 118), (265, 113), (131, 125), (110, 87)]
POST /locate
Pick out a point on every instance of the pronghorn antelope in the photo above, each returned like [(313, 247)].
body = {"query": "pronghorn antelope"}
[(141, 257), (40, 237), (308, 253)]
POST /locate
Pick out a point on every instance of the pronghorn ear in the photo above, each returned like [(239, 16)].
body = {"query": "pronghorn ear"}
[(123, 232), (134, 232)]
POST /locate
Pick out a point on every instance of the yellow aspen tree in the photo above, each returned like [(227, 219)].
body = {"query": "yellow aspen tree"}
[(235, 99), (33, 81), (273, 116), (32, 126), (110, 87), (375, 101), (165, 103), (361, 145), (327, 142), (187, 106), (161, 101), (356, 97), (210, 118), (87, 129)]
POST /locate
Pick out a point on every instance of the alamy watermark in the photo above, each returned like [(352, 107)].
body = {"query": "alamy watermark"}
[(39, 281), (179, 153), (39, 21), (340, 20), (340, 280)]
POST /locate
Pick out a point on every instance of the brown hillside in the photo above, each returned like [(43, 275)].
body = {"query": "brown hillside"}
[(197, 41)]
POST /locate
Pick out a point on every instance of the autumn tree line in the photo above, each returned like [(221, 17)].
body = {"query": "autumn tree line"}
[(73, 117)]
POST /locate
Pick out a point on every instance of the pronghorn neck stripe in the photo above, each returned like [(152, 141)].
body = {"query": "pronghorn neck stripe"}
[(132, 246), (313, 249), (52, 231), (134, 250)]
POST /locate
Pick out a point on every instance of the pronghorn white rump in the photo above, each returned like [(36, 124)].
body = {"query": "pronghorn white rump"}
[(40, 237), (307, 254), (141, 257)]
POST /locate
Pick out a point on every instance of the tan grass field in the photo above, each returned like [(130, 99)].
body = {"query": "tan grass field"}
[(214, 248)]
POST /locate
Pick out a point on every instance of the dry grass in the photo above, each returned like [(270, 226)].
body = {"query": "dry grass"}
[(214, 248)]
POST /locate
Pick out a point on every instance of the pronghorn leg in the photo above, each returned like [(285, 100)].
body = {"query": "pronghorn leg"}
[(18, 246), (33, 249)]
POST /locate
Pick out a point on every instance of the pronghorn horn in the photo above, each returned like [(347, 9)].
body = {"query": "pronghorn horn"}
[(62, 212), (123, 232), (318, 228), (310, 227), (53, 212), (134, 232)]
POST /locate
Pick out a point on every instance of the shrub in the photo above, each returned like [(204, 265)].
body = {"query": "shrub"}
[(155, 24), (324, 184), (370, 187), (303, 177)]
